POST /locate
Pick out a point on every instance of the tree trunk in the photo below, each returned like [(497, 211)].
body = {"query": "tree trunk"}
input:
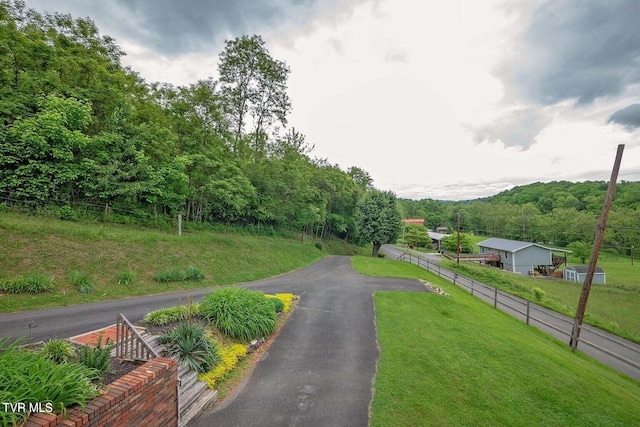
[(376, 248)]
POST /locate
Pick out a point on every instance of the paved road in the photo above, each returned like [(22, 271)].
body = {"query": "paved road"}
[(609, 349), (320, 369), (69, 321), (318, 372)]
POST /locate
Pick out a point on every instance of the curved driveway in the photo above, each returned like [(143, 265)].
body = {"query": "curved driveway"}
[(319, 371)]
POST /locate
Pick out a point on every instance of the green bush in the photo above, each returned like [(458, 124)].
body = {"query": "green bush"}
[(81, 281), (27, 376), (318, 245), (97, 357), (538, 293), (194, 274), (58, 351), (165, 316), (278, 304), (188, 342), (126, 278), (240, 313), (33, 283), (170, 275)]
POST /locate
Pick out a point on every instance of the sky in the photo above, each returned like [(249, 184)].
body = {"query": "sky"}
[(447, 100)]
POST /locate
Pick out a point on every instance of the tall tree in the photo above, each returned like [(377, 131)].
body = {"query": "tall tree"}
[(378, 219), (253, 85)]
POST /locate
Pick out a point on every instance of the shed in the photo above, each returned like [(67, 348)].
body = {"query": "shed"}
[(577, 273), (522, 257)]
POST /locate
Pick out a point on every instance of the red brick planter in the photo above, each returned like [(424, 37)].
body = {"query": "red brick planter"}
[(145, 396)]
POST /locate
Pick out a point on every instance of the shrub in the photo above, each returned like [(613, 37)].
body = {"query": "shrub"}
[(126, 278), (81, 281), (190, 345), (33, 283), (27, 376), (170, 275), (278, 304), (538, 293), (240, 313), (287, 299), (165, 316), (318, 245), (97, 357), (229, 357), (58, 351), (194, 274)]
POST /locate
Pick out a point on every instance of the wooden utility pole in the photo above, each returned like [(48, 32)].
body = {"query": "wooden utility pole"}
[(458, 247), (597, 244)]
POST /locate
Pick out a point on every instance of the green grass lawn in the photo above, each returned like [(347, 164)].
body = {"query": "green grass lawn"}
[(455, 361), (57, 248)]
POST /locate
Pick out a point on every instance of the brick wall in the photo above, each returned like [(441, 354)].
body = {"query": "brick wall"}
[(146, 396)]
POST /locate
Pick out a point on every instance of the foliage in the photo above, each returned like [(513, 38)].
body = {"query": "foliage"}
[(170, 275), (240, 313), (81, 281), (164, 316), (59, 351), (581, 250), (538, 293), (33, 283), (29, 377), (378, 219), (450, 243), (97, 357), (192, 274), (190, 344), (126, 278), (278, 304), (416, 235), (229, 357), (287, 299)]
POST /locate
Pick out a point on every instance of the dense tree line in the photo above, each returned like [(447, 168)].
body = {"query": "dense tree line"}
[(557, 213), (78, 128)]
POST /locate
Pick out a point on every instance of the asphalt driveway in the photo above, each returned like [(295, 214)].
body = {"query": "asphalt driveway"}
[(319, 371)]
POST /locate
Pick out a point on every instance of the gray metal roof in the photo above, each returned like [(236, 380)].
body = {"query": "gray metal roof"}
[(436, 236), (512, 245), (583, 269)]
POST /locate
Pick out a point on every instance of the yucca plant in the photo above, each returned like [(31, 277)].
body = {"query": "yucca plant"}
[(189, 344), (58, 351), (240, 313)]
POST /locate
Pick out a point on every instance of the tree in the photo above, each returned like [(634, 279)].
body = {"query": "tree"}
[(581, 250), (255, 84), (378, 219), (450, 243), (416, 235)]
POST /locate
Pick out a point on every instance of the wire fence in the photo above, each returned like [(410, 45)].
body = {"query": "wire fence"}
[(626, 353)]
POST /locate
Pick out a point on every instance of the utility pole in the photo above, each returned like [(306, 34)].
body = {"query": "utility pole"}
[(458, 246), (597, 244)]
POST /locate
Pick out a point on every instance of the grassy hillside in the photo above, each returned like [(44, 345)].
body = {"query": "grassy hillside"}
[(453, 360), (105, 255)]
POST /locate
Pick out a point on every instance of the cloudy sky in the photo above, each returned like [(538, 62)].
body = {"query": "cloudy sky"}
[(447, 100)]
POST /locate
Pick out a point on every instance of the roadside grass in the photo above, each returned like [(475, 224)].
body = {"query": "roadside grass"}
[(612, 307), (56, 248), (451, 361)]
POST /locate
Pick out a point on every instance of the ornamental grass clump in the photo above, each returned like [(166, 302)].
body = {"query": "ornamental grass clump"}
[(28, 377), (240, 313), (164, 316), (59, 351)]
